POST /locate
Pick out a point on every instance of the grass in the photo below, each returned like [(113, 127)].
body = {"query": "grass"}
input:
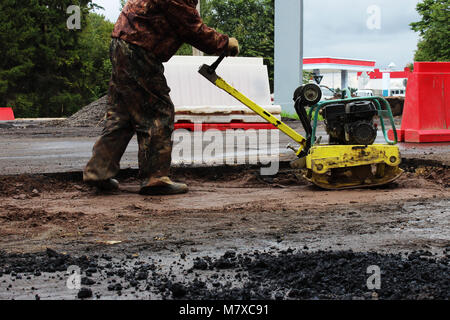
[(294, 116)]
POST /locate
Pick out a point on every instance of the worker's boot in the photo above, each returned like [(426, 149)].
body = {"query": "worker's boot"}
[(162, 186), (105, 185)]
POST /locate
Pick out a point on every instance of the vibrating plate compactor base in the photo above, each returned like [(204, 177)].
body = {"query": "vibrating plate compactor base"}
[(351, 159)]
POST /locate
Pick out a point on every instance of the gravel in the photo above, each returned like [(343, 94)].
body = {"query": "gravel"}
[(92, 115)]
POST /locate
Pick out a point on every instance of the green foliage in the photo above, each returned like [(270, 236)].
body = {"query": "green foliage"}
[(94, 47), (288, 115), (122, 4), (46, 69), (434, 30), (185, 50), (294, 116), (307, 76), (250, 21)]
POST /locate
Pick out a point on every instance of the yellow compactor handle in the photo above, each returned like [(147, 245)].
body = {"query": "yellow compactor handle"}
[(210, 74)]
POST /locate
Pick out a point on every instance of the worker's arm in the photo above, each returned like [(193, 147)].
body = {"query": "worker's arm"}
[(186, 21)]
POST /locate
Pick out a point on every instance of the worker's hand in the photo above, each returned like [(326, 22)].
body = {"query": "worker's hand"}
[(233, 47)]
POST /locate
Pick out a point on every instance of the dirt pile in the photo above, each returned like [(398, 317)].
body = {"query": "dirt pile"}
[(35, 216), (238, 176), (29, 186), (438, 175), (92, 115), (397, 104), (246, 176)]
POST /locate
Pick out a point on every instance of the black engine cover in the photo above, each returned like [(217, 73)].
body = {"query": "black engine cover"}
[(351, 123)]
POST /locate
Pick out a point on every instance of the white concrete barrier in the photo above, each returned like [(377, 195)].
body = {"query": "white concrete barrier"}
[(197, 100)]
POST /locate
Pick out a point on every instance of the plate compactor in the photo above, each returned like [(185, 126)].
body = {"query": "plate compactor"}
[(351, 159)]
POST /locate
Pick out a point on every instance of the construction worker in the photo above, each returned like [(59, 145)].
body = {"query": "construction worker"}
[(147, 33)]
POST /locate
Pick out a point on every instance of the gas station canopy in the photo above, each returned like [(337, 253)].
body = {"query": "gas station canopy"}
[(328, 64), (338, 65)]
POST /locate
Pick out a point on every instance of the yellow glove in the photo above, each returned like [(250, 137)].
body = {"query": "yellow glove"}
[(233, 47)]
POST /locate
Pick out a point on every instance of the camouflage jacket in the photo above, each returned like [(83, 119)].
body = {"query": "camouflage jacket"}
[(162, 26)]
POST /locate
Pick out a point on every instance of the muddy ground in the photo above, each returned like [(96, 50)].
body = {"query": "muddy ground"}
[(235, 235)]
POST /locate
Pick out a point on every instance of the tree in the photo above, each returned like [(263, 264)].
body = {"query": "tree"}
[(94, 45), (250, 21), (434, 31), (46, 69)]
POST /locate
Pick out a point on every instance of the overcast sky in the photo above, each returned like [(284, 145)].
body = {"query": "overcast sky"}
[(339, 29)]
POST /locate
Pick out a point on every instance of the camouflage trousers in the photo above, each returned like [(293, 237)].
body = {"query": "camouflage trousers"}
[(139, 103)]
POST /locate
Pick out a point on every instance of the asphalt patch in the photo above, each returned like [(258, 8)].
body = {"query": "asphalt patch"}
[(282, 275)]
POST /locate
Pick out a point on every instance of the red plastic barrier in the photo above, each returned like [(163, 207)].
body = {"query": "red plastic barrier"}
[(6, 114), (426, 115), (224, 126)]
